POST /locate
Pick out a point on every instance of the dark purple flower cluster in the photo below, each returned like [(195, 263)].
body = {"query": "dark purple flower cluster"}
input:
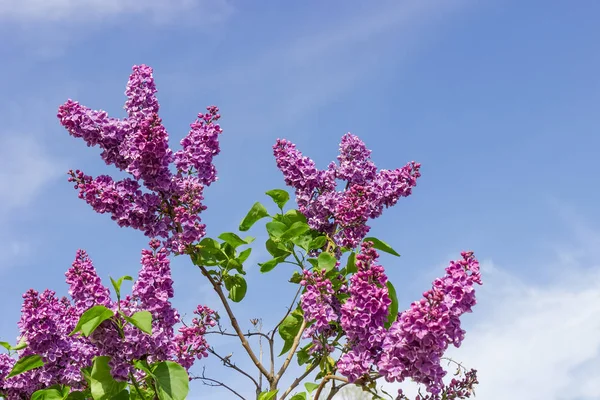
[(415, 343), (364, 314), (190, 343), (320, 306), (47, 321), (343, 214), (169, 207)]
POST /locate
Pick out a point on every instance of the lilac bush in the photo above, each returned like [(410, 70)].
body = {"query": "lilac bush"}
[(343, 325)]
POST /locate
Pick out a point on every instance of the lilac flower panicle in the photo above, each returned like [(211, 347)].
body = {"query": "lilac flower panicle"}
[(343, 214), (415, 343), (320, 305), (200, 146), (47, 321), (191, 344), (364, 314), (163, 196)]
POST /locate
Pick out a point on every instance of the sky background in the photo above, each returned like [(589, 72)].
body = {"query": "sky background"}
[(499, 101)]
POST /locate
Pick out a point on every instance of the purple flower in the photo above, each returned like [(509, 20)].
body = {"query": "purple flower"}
[(343, 214), (364, 314), (415, 343), (163, 196)]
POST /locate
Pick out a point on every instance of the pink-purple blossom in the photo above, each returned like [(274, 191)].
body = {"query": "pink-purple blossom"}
[(163, 196), (343, 213)]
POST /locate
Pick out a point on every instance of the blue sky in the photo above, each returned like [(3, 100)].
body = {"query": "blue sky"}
[(498, 100)]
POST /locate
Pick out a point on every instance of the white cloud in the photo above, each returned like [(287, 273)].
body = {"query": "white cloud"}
[(79, 10), (531, 341), (24, 170)]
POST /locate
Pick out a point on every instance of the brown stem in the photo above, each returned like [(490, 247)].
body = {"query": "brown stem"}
[(216, 383), (235, 324), (324, 382), (299, 379), (227, 362)]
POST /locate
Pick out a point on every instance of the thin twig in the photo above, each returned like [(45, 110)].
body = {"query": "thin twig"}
[(235, 325), (227, 362), (324, 382), (217, 383), (299, 379), (272, 339)]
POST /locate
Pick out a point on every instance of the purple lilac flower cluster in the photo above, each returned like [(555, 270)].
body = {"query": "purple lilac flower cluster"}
[(364, 314), (343, 214), (47, 321), (415, 343), (191, 343), (170, 205), (320, 305)]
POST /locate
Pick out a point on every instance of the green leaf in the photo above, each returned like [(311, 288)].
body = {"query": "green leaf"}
[(310, 387), (317, 243), (268, 395), (297, 229), (122, 395), (299, 396), (393, 311), (172, 380), (91, 319), (275, 229), (313, 261), (279, 196), (351, 264), (77, 396), (326, 261), (244, 255), (269, 265), (141, 320), (289, 328), (303, 355), (143, 366), (296, 277), (25, 364), (293, 216), (275, 249), (102, 384), (237, 286), (381, 245), (234, 240), (257, 212), (47, 394), (21, 345), (234, 264), (117, 284), (303, 240)]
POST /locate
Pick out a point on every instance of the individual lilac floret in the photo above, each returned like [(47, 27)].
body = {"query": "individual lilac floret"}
[(343, 214), (364, 314), (416, 342)]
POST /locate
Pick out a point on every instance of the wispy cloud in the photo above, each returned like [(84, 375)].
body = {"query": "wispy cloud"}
[(299, 72), (24, 169), (80, 11)]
